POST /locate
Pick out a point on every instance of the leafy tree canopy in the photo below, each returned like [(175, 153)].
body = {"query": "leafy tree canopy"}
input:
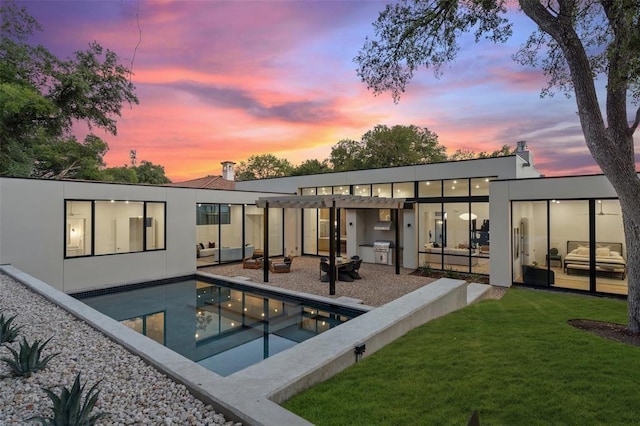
[(262, 167), (401, 146), (146, 172), (311, 167), (42, 96)]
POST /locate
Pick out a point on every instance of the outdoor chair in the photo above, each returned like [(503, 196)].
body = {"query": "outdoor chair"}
[(280, 266), (356, 263), (344, 272), (251, 263), (324, 268)]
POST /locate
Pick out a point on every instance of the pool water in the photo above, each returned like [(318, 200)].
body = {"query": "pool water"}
[(224, 327)]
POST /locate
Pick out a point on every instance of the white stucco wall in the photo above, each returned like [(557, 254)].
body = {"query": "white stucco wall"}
[(32, 228)]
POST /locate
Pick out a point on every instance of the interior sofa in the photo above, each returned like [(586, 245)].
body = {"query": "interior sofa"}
[(227, 254)]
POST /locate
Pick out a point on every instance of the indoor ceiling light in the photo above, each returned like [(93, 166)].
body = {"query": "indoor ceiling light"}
[(468, 216)]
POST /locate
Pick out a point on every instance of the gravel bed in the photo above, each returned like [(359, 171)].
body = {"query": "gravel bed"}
[(131, 392), (379, 283)]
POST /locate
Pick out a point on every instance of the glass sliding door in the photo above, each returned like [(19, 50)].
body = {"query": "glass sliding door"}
[(610, 250), (310, 232), (254, 227), (569, 242), (480, 238), (529, 227)]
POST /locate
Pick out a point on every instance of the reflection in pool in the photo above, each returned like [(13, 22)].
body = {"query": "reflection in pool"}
[(225, 327)]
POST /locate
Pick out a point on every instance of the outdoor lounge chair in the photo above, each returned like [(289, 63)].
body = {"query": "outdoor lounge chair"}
[(251, 263), (280, 266), (324, 268), (356, 261)]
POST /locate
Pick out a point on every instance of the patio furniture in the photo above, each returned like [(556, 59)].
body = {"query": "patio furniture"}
[(356, 263), (252, 263), (280, 266)]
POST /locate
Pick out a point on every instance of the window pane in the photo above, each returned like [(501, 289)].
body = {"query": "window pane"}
[(342, 190), (362, 190), (456, 188), (308, 191), (430, 188), (324, 190), (480, 242), (611, 253), (276, 245), (310, 217), (119, 227), (254, 227), (480, 186), (155, 226), (429, 219), (207, 233), (78, 228), (403, 190), (529, 243), (381, 190)]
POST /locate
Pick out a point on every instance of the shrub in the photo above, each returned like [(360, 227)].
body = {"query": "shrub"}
[(426, 269), (450, 273), (69, 407), (8, 331), (28, 360)]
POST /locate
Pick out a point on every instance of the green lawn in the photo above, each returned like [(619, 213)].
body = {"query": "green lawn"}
[(515, 360)]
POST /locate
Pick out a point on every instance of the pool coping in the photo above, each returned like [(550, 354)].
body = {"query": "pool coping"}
[(252, 395)]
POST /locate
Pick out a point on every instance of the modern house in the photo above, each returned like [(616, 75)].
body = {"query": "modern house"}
[(495, 216)]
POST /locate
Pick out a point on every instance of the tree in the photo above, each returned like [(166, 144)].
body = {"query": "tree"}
[(311, 167), (44, 96), (401, 146), (120, 174), (577, 41), (388, 147), (347, 155), (262, 167), (150, 173), (467, 154), (66, 158)]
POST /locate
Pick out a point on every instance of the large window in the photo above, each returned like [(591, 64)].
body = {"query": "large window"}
[(571, 244), (109, 227)]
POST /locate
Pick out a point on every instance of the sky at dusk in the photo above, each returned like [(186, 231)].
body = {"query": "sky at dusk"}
[(224, 80)]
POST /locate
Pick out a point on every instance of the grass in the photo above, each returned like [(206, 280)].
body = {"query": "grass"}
[(515, 360)]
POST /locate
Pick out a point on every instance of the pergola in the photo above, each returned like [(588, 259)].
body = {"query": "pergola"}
[(331, 202)]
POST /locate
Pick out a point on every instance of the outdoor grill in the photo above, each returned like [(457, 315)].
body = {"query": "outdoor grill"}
[(382, 251)]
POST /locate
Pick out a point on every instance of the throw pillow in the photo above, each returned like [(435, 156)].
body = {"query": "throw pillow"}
[(201, 246), (212, 245)]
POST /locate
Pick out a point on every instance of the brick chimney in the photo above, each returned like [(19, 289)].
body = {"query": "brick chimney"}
[(227, 170)]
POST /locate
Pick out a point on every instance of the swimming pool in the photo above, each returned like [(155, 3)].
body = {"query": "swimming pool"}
[(221, 325)]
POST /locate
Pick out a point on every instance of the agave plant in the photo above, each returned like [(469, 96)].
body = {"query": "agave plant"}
[(69, 407), (8, 331), (28, 360)]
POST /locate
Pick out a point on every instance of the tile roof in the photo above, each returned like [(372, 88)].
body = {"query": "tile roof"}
[(207, 182)]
